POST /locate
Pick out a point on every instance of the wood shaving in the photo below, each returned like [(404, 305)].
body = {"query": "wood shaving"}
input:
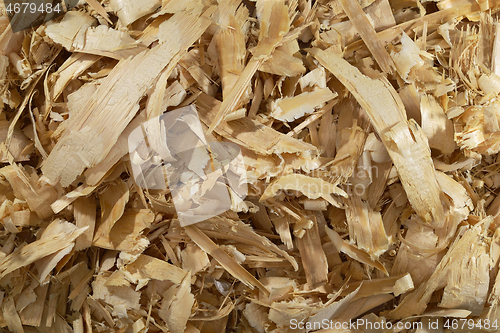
[(367, 135)]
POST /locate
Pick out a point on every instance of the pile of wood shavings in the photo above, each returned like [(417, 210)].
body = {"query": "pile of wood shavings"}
[(380, 118)]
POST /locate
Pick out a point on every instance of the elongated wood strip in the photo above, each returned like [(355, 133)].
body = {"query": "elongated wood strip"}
[(113, 201), (282, 226), (394, 284), (85, 215), (405, 141), (230, 45), (361, 306), (223, 258), (38, 249), (97, 173), (289, 109), (74, 66), (352, 251), (89, 137), (146, 267), (80, 287), (233, 98), (334, 309), (221, 313), (100, 9), (313, 257), (104, 41), (274, 25), (437, 128), (371, 94), (61, 203), (313, 188), (243, 233), (368, 34), (12, 317), (46, 264), (153, 108), (99, 308), (257, 99), (366, 228), (241, 131)]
